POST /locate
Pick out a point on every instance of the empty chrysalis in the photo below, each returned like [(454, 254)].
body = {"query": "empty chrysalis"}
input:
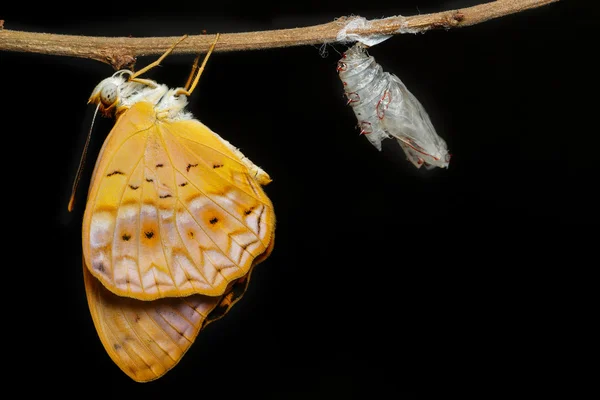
[(385, 108)]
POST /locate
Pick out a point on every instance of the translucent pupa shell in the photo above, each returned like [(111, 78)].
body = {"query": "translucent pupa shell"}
[(385, 108)]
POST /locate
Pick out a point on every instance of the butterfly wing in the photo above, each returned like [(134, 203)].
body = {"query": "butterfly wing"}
[(146, 339), (236, 291), (173, 209)]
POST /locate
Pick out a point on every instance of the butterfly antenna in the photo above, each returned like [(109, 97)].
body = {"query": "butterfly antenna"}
[(189, 91), (194, 69), (157, 62), (81, 163)]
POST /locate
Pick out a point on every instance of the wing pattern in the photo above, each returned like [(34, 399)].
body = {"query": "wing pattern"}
[(173, 211)]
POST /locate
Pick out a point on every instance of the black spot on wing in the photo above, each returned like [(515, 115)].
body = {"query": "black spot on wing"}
[(165, 196), (133, 187), (115, 172), (190, 166), (149, 234)]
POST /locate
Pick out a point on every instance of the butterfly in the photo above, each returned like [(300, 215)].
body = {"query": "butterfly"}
[(175, 221), (385, 108)]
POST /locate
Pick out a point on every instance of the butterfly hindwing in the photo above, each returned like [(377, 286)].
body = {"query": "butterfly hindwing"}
[(148, 338)]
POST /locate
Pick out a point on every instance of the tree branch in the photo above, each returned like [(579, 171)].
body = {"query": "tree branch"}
[(120, 52)]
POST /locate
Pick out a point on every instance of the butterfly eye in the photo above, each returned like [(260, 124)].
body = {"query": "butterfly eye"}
[(108, 94)]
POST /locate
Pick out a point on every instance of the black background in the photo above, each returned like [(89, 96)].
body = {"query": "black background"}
[(381, 273)]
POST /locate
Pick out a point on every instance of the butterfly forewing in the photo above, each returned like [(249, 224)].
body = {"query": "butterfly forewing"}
[(172, 210)]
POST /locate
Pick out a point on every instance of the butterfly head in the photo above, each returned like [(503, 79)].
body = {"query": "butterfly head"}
[(119, 92), (107, 93)]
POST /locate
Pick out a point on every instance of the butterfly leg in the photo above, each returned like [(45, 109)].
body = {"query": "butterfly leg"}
[(189, 91), (157, 62), (147, 82)]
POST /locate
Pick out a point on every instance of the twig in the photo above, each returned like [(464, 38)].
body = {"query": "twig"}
[(122, 51)]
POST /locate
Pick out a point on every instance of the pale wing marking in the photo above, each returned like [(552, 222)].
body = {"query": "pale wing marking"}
[(155, 177), (102, 176), (212, 240), (115, 239), (175, 171), (243, 223)]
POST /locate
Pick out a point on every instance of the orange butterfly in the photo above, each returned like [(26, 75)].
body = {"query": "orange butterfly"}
[(175, 220)]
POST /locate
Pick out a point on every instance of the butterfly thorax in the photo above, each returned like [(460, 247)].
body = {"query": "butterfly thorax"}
[(118, 93)]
